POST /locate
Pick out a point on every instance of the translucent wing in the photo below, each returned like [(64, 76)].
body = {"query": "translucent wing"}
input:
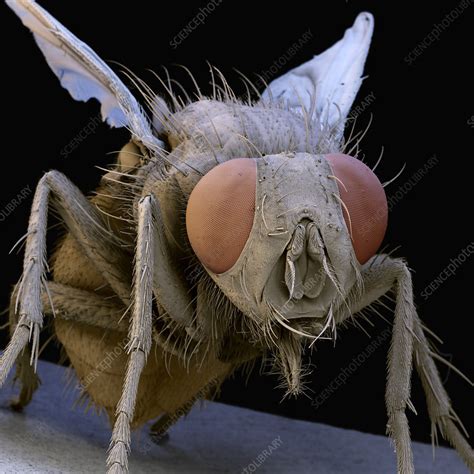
[(327, 85), (83, 73)]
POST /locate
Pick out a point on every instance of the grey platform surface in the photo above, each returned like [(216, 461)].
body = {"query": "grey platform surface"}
[(51, 437)]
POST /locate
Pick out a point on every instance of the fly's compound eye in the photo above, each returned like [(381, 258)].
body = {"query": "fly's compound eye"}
[(220, 213), (365, 204)]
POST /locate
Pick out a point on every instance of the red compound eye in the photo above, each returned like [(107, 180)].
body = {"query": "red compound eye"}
[(220, 212), (365, 201)]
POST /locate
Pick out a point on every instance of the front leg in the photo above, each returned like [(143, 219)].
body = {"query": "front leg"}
[(139, 338), (380, 275), (97, 242), (70, 304)]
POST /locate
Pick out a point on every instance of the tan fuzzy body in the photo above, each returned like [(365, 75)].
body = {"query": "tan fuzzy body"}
[(164, 388), (99, 358)]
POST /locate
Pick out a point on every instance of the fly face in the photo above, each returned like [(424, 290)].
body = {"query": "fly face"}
[(275, 233)]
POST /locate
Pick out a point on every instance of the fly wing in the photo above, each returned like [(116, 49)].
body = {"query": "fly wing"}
[(325, 87), (83, 73)]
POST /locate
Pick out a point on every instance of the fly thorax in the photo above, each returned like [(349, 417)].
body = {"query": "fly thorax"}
[(237, 130)]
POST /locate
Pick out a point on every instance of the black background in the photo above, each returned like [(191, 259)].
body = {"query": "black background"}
[(420, 110)]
